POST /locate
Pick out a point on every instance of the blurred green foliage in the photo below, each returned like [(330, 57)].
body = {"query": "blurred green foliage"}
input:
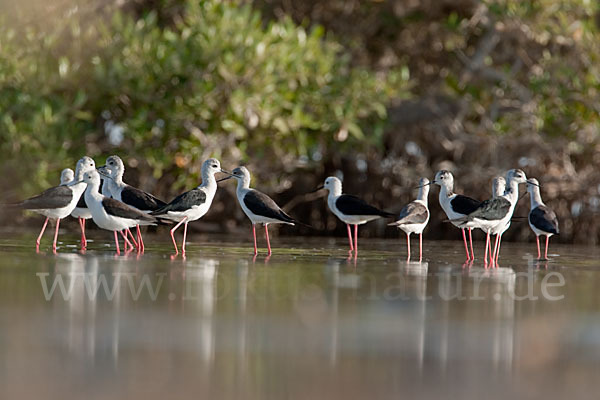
[(216, 81)]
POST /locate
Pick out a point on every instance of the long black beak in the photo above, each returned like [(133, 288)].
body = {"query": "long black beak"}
[(534, 184), (224, 179), (317, 189), (230, 175), (427, 184), (102, 171)]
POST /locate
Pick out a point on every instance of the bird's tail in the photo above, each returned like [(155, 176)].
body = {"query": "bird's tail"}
[(12, 205), (164, 221), (459, 221), (396, 223), (386, 214), (296, 222)]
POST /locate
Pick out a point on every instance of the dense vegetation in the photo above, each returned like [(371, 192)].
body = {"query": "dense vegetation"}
[(382, 90)]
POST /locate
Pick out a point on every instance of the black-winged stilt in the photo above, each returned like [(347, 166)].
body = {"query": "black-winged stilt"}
[(114, 187), (456, 206), (498, 189), (192, 205), (55, 203), (81, 211), (112, 214), (350, 209), (494, 213), (414, 217), (513, 178), (257, 206), (542, 219)]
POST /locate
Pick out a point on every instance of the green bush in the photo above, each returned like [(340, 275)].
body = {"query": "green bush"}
[(217, 81)]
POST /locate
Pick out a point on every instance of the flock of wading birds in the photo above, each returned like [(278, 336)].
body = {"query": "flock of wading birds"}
[(117, 207)]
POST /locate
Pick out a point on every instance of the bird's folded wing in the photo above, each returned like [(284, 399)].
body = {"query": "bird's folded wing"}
[(183, 202), (117, 208), (141, 200), (412, 213), (55, 197), (352, 205), (261, 204)]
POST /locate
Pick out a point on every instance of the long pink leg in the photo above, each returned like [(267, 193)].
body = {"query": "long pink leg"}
[(487, 244), (37, 242), (127, 242), (140, 238), (254, 234), (537, 238), (55, 235), (267, 235), (471, 243), (135, 243), (420, 246), (350, 237), (83, 237), (408, 246), (355, 239), (497, 250), (546, 252), (117, 243), (466, 245), (125, 247), (173, 231), (184, 237), (493, 253)]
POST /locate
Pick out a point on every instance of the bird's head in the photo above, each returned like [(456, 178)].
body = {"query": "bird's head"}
[(84, 164), (498, 186), (91, 177), (443, 178), (333, 185), (114, 167), (66, 176), (516, 175)]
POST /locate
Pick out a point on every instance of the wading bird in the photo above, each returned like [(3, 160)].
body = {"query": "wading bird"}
[(456, 206), (114, 187), (542, 219), (350, 209), (495, 213), (414, 217), (194, 204), (257, 206), (112, 214), (55, 203), (81, 211)]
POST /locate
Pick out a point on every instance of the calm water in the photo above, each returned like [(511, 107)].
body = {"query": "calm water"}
[(306, 323)]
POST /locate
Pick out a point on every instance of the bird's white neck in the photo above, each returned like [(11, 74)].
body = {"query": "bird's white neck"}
[(445, 192), (536, 197), (512, 191), (243, 184), (118, 179), (114, 184), (208, 181), (92, 190), (423, 194), (335, 190)]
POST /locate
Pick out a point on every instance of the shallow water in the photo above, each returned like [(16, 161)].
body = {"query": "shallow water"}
[(304, 323)]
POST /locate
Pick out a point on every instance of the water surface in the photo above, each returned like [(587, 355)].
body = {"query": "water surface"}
[(304, 323)]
